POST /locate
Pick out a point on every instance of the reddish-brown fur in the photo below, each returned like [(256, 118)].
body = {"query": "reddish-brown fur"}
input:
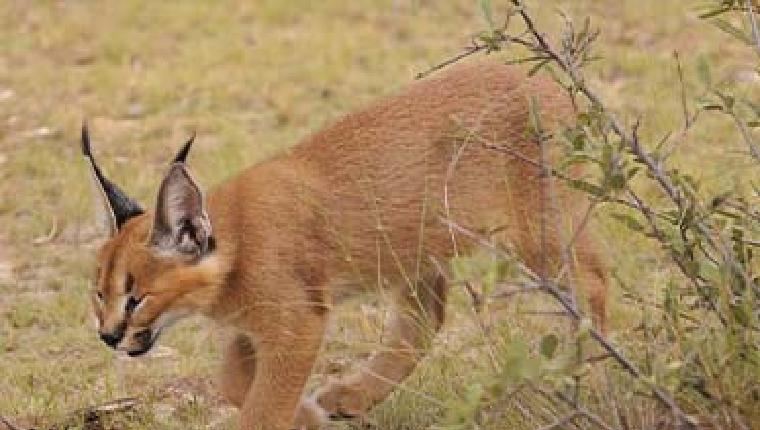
[(359, 206)]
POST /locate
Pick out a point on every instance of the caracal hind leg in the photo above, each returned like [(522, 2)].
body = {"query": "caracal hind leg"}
[(239, 369), (592, 276), (581, 261), (418, 315)]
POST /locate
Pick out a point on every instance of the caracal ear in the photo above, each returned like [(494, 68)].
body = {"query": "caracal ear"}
[(114, 207), (181, 224)]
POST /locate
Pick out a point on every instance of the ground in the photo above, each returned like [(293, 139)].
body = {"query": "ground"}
[(251, 78)]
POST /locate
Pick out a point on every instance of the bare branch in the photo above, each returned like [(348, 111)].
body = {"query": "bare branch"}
[(563, 421), (753, 25), (474, 49)]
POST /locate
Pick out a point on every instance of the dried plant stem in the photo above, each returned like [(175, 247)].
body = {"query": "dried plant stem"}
[(753, 25), (474, 49), (580, 410)]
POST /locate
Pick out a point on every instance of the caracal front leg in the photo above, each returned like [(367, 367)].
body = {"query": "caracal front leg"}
[(417, 317), (239, 369), (285, 356)]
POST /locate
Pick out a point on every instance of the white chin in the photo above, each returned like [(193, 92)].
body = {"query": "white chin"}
[(167, 319)]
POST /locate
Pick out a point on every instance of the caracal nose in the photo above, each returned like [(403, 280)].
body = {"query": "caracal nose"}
[(111, 339)]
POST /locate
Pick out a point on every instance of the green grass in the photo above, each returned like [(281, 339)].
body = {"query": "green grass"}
[(252, 78)]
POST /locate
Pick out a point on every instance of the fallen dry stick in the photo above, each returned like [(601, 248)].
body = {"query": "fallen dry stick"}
[(8, 424), (89, 417)]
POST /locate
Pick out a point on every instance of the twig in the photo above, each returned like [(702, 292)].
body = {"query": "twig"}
[(50, 236), (117, 405), (498, 37), (684, 106), (521, 289), (475, 48), (563, 421), (477, 304), (586, 413), (580, 410), (641, 301), (754, 151), (544, 313), (580, 228), (696, 279), (753, 24)]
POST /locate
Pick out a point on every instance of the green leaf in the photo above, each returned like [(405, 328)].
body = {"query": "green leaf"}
[(617, 181), (579, 142), (629, 221), (741, 315), (576, 159), (549, 345), (518, 364), (713, 13), (727, 99), (586, 187), (671, 300), (584, 119), (732, 30), (538, 66)]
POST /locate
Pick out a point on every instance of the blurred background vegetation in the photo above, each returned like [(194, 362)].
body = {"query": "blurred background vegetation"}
[(252, 78)]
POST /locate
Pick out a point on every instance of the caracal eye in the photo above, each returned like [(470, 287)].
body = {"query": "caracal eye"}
[(129, 284), (132, 303)]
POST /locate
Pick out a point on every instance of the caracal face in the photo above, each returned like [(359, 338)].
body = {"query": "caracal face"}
[(152, 269)]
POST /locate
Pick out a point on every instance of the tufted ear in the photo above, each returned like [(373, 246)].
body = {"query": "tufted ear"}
[(181, 224), (115, 205)]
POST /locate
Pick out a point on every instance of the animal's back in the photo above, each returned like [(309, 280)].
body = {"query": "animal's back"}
[(389, 173)]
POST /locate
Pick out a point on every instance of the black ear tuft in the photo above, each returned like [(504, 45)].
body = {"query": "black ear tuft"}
[(86, 140), (182, 155), (118, 206)]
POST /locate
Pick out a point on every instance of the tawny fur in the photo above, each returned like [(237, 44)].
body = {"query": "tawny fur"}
[(359, 206)]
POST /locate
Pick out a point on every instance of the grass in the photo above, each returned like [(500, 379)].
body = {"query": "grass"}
[(251, 79)]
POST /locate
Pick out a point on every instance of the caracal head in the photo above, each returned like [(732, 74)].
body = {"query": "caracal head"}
[(154, 267)]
